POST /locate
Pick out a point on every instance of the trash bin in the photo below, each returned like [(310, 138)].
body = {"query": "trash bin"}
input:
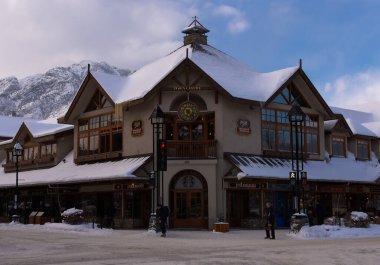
[(32, 217), (40, 218), (297, 221)]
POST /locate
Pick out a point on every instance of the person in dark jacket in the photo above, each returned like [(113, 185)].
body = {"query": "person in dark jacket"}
[(162, 214), (269, 221)]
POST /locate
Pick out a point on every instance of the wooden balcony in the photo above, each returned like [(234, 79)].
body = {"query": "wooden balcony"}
[(191, 149)]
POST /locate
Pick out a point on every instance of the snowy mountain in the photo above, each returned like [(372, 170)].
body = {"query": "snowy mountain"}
[(47, 95)]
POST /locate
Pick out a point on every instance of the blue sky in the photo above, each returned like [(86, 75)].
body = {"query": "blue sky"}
[(338, 40)]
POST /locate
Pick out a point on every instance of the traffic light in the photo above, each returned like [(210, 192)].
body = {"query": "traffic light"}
[(162, 155)]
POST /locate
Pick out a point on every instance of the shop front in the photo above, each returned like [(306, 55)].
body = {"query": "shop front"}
[(246, 202), (119, 205)]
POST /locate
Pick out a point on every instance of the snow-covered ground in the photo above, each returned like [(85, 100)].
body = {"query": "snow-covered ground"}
[(81, 244), (313, 232)]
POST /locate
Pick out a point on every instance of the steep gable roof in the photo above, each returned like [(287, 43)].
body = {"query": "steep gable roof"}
[(237, 79), (10, 125), (38, 128), (84, 96), (299, 73)]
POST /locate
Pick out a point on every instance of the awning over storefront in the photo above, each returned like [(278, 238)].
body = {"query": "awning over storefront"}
[(68, 172), (332, 169)]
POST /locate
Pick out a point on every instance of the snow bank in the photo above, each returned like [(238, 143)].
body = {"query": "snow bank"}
[(72, 211), (332, 231), (57, 227), (357, 216)]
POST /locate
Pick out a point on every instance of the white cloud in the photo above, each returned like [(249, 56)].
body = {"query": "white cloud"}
[(354, 90), (237, 22), (40, 34)]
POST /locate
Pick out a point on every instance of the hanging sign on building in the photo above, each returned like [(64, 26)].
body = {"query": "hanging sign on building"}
[(137, 128), (252, 185), (243, 126)]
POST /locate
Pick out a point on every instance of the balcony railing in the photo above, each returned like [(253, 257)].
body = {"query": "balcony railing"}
[(192, 149)]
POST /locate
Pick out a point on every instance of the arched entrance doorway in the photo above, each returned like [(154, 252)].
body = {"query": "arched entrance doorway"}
[(189, 200)]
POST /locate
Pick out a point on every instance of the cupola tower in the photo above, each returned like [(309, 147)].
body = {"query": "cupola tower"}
[(195, 33)]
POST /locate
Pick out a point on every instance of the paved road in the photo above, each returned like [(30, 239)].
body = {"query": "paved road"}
[(31, 246)]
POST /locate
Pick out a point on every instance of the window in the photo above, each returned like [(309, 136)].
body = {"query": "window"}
[(290, 95), (35, 152), (211, 129), (283, 133), (197, 131), (268, 136), (98, 101), (251, 204), (338, 146), (363, 149), (276, 132), (48, 150), (10, 156), (311, 134), (100, 134)]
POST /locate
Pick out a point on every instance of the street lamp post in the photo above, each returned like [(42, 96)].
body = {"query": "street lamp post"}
[(157, 120), (17, 152), (296, 119)]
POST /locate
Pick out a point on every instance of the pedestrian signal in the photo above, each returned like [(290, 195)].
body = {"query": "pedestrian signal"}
[(292, 177)]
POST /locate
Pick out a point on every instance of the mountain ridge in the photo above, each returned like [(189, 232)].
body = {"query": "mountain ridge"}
[(48, 95)]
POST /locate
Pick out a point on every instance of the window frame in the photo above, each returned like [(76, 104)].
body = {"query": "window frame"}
[(359, 144), (341, 140), (270, 118), (93, 129)]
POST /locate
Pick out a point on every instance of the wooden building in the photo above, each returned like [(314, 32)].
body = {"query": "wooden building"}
[(229, 145)]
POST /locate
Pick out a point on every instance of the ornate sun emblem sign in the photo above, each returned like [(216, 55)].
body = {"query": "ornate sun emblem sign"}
[(188, 111)]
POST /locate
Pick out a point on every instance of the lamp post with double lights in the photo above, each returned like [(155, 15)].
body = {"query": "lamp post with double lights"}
[(16, 152), (157, 120), (296, 119)]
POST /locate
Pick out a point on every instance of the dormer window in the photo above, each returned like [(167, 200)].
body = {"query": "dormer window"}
[(362, 149)]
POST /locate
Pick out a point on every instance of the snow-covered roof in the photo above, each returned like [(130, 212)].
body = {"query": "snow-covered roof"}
[(37, 128), (236, 78), (68, 172), (42, 128), (329, 125), (10, 125), (360, 122), (335, 169)]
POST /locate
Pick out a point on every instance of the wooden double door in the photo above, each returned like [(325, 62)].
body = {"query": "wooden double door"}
[(189, 199)]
